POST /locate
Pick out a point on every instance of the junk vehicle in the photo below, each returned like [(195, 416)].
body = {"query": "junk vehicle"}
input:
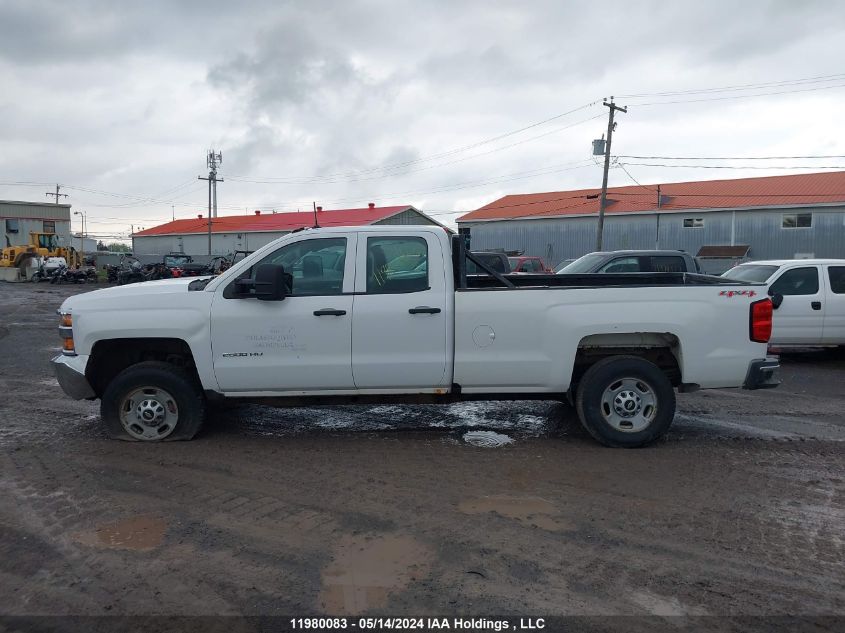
[(351, 315), (528, 264), (647, 261), (808, 296), (495, 260)]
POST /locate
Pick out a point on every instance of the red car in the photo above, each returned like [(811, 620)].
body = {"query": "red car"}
[(526, 264)]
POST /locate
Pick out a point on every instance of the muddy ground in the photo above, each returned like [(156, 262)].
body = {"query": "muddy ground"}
[(389, 509)]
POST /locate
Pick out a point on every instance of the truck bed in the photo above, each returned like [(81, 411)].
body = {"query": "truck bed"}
[(593, 280)]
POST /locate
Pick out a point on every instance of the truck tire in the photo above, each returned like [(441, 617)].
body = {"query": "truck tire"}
[(625, 401), (153, 402)]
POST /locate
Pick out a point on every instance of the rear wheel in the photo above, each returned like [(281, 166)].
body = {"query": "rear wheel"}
[(153, 402), (625, 401)]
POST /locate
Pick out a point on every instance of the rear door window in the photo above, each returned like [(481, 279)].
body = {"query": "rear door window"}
[(396, 265), (798, 281), (667, 264), (836, 274)]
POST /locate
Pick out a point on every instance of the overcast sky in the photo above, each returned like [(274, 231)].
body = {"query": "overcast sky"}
[(399, 102)]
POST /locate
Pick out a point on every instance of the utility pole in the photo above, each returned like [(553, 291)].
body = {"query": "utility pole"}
[(316, 222), (81, 236), (57, 194), (212, 160), (603, 202)]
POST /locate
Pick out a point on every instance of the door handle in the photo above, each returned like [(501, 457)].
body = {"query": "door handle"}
[(329, 312), (424, 310), (816, 305)]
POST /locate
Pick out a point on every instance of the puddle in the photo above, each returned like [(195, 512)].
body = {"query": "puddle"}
[(527, 510), (365, 571), (663, 606), (487, 439), (137, 533)]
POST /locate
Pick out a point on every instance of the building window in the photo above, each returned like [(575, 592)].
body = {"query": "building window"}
[(797, 220), (49, 226), (693, 223), (12, 226)]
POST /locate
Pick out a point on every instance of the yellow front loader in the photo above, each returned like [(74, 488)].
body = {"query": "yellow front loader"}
[(40, 245)]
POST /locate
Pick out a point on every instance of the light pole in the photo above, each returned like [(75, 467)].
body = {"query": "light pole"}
[(81, 238)]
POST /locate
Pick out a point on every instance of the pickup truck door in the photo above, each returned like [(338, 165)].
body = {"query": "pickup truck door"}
[(400, 320), (301, 343), (834, 313), (800, 318)]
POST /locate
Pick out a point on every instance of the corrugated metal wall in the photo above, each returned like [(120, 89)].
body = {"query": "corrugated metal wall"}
[(29, 217), (221, 243), (15, 209), (224, 243), (557, 239)]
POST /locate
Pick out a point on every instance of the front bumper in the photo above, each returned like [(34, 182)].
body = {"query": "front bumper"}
[(763, 374), (70, 372)]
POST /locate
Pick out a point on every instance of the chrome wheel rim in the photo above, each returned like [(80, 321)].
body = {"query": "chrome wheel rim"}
[(149, 413), (629, 405)]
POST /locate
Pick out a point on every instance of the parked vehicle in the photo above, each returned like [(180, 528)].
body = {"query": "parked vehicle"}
[(646, 261), (526, 264), (339, 315), (808, 297), (65, 275), (496, 260), (563, 265), (40, 273), (50, 264)]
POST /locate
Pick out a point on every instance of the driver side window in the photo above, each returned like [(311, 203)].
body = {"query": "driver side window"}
[(798, 281), (313, 267)]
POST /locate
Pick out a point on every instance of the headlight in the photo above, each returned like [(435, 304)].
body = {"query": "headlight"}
[(66, 332)]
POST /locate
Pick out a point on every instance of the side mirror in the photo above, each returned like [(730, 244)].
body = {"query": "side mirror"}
[(777, 299), (270, 282)]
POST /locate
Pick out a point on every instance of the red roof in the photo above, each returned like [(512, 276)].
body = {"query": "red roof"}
[(793, 190), (275, 221)]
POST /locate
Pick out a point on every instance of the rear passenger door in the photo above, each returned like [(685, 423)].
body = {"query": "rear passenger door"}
[(399, 316), (834, 309), (800, 318)]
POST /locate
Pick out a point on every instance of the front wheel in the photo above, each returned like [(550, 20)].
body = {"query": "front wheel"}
[(625, 401), (153, 402)]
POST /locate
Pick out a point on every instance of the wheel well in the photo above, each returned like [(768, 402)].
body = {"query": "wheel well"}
[(662, 349), (112, 356)]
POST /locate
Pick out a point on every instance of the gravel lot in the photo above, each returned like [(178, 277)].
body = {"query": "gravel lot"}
[(389, 509)]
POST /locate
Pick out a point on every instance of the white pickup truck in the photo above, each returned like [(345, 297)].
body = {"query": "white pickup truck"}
[(808, 296), (374, 314)]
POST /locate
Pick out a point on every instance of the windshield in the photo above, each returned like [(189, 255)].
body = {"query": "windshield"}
[(748, 272), (585, 264)]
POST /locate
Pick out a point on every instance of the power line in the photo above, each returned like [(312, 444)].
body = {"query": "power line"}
[(751, 96), (445, 154), (730, 157), (770, 84), (758, 167), (290, 181)]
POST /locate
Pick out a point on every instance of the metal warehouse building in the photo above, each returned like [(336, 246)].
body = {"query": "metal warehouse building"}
[(250, 232), (19, 219), (773, 217)]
